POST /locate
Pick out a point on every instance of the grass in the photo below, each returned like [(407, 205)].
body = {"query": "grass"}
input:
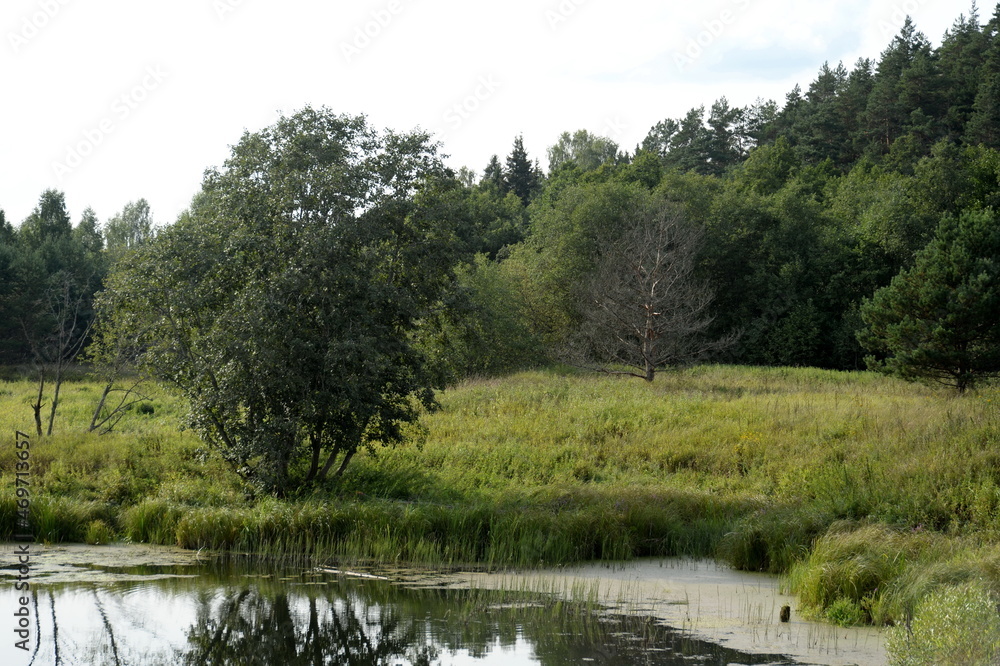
[(869, 493)]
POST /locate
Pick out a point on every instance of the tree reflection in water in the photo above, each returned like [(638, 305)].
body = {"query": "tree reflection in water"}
[(230, 619)]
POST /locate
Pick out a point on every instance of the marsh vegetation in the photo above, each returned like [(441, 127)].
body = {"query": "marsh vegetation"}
[(875, 497)]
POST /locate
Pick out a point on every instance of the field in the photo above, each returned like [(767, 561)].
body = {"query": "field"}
[(870, 495)]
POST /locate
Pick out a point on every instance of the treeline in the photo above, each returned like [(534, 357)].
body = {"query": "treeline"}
[(804, 210), (50, 272)]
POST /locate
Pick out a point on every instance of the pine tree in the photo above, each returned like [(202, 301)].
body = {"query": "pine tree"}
[(984, 123), (896, 91), (938, 321), (962, 55), (725, 146)]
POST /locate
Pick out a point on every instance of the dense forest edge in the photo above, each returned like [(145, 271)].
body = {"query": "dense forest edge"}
[(767, 334)]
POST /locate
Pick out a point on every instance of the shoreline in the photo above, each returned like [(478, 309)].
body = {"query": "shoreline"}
[(702, 597)]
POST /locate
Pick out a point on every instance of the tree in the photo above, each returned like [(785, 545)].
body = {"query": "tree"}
[(87, 234), (493, 175), (490, 337), (130, 228), (49, 220), (568, 228), (587, 151), (646, 309), (284, 306), (937, 321), (519, 175), (726, 145), (10, 333)]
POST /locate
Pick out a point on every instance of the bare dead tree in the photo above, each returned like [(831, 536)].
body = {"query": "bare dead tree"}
[(646, 309), (65, 308), (114, 358)]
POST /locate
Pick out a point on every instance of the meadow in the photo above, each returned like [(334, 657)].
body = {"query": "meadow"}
[(874, 498)]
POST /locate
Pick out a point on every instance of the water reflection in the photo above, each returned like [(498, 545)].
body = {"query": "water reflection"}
[(223, 617)]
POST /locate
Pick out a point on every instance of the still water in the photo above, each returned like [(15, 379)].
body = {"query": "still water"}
[(208, 613)]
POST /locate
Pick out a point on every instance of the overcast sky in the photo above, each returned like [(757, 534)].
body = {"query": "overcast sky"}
[(114, 100)]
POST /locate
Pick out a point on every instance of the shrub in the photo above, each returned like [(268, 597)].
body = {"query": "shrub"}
[(954, 626)]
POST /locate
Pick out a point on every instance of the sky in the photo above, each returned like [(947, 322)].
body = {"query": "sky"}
[(110, 101)]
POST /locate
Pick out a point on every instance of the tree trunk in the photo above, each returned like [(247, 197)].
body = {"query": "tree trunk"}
[(55, 397), (343, 463), (100, 406), (329, 463), (314, 464), (37, 406)]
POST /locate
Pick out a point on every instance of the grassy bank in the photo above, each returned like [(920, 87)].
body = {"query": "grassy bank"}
[(869, 492)]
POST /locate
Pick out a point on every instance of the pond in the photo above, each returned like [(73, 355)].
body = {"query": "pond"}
[(143, 605)]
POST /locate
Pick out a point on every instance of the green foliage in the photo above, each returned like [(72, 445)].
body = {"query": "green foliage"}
[(129, 229), (583, 149), (954, 626), (845, 612), (568, 229), (492, 336), (937, 320), (520, 177)]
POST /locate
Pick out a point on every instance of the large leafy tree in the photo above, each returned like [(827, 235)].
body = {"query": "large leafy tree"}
[(937, 320), (283, 306)]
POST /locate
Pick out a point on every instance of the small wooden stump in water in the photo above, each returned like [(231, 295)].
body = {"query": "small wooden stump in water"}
[(786, 613)]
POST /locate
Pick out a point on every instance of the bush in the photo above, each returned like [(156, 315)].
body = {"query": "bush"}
[(954, 626)]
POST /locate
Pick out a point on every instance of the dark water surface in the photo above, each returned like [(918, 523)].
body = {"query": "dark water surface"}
[(213, 614)]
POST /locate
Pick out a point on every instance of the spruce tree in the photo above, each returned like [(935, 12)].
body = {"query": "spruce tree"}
[(520, 176)]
